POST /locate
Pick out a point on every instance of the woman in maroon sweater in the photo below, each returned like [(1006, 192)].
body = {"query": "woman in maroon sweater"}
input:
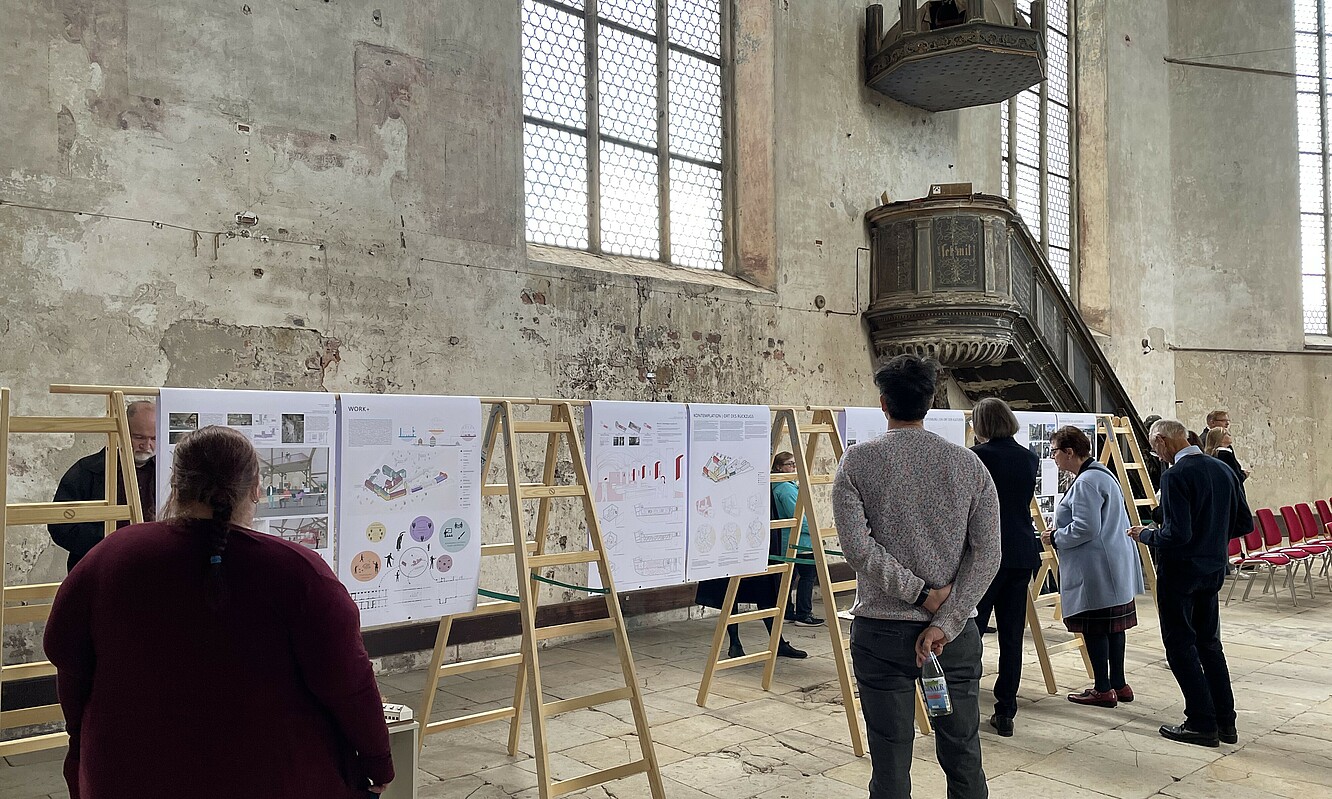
[(203, 659)]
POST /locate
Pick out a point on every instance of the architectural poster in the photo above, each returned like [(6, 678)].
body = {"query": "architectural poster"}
[(636, 461), (729, 467), (949, 425), (293, 432), (862, 424), (410, 519)]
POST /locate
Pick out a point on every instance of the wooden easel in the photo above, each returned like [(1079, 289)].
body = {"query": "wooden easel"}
[(804, 445), (1123, 456), (33, 601), (1049, 565), (530, 558)]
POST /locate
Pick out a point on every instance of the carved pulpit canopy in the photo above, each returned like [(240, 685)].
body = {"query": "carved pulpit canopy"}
[(948, 54)]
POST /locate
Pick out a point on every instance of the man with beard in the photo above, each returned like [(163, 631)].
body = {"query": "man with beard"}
[(86, 482)]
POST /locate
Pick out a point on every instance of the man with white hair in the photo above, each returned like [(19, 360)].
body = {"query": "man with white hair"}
[(86, 481), (1202, 508)]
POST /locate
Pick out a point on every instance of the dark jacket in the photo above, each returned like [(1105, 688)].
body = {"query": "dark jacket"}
[(272, 695), (86, 481), (1202, 508), (1227, 456), (1014, 469)]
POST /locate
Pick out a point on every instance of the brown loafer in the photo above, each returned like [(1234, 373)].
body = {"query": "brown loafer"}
[(1124, 694), (1095, 698)]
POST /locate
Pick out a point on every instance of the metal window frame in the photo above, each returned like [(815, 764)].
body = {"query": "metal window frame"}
[(1327, 181), (1043, 139), (592, 25)]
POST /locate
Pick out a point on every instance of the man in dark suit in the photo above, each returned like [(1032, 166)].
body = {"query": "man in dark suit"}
[(1202, 509), (86, 481)]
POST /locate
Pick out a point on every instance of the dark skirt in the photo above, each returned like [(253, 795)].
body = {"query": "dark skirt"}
[(760, 590), (1104, 621)]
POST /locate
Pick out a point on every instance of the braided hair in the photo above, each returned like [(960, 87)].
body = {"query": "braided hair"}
[(217, 468)]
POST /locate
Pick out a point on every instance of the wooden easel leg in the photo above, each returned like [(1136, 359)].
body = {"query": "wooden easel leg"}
[(775, 637), (922, 715), (718, 635), (1038, 638), (432, 677), (542, 526)]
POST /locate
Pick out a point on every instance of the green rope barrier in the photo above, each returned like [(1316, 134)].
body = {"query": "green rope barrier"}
[(589, 589), (496, 595)]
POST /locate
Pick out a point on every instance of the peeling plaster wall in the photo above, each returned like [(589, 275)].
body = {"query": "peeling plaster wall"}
[(375, 156), (1190, 227)]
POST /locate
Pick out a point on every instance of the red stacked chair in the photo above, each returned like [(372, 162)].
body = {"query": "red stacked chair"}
[(1325, 514), (1295, 541), (1246, 555), (1272, 540), (1310, 539)]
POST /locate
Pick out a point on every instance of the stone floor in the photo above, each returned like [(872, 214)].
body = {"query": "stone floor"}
[(793, 741)]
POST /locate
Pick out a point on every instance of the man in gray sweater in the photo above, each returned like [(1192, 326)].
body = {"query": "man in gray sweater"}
[(918, 520)]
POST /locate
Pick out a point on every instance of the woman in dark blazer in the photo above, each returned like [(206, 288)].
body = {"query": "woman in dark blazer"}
[(1014, 469), (1218, 446)]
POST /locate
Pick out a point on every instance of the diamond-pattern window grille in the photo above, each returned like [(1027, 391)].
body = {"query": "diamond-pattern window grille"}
[(614, 163), (1313, 99), (1042, 164)]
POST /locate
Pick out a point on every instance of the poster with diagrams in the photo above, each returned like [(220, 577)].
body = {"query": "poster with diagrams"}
[(730, 470), (636, 461), (293, 432), (862, 424), (410, 519)]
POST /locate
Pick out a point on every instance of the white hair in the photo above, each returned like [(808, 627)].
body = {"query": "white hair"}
[(1169, 429)]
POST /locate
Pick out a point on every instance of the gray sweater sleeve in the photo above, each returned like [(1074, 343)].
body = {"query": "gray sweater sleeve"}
[(980, 558), (870, 560)]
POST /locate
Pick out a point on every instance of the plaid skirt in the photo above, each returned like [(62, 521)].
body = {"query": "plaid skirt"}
[(1103, 621)]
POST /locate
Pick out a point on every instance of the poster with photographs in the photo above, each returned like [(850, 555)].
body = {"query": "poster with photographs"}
[(636, 461), (730, 470), (293, 432), (1034, 431), (410, 517)]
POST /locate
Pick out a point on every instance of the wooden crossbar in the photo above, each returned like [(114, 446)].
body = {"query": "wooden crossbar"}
[(25, 604)]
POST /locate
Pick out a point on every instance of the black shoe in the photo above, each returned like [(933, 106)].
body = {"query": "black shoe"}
[(737, 651), (1182, 733), (808, 620), (1228, 735), (785, 650), (1002, 724)]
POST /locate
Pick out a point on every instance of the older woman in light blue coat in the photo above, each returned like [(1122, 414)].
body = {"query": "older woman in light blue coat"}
[(1100, 572)]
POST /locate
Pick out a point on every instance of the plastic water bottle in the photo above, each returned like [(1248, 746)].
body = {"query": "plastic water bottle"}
[(935, 688)]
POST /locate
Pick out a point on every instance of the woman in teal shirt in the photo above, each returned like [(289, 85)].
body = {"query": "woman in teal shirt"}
[(784, 496)]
